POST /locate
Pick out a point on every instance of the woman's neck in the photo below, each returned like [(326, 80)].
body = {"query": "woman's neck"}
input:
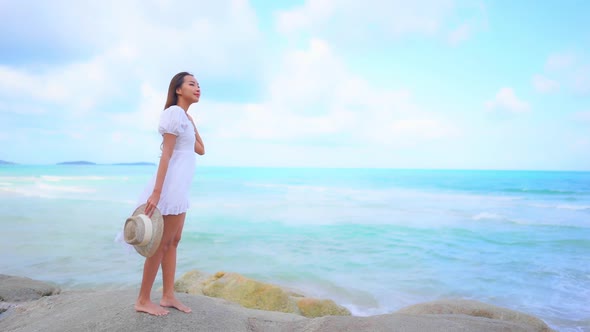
[(183, 104)]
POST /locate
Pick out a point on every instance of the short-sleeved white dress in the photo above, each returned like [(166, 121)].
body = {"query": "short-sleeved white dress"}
[(174, 198)]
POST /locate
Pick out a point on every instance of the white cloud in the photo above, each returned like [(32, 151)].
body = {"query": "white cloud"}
[(460, 34), (76, 87), (114, 89), (560, 61), (580, 144), (582, 116), (145, 118), (544, 84), (21, 107), (395, 17), (347, 22), (427, 128), (581, 80), (507, 100), (571, 70), (144, 40), (476, 21), (305, 16), (178, 24), (18, 83), (315, 98), (138, 43)]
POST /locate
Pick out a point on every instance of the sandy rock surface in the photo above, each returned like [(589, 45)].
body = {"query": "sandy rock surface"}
[(113, 311)]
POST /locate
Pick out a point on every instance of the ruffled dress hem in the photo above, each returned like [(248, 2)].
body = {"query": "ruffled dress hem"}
[(174, 209)]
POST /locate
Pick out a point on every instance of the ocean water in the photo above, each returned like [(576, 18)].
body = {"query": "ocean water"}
[(373, 240)]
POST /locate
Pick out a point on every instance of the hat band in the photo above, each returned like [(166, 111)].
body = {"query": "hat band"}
[(147, 236)]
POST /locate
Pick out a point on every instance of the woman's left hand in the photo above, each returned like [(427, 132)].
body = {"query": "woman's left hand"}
[(152, 203)]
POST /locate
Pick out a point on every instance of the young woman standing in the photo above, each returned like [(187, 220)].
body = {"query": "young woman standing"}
[(169, 190)]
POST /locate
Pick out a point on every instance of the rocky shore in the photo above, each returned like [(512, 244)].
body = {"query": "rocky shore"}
[(231, 302)]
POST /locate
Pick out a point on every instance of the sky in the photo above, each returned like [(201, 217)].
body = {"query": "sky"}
[(428, 84)]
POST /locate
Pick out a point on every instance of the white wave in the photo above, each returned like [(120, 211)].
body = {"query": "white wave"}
[(573, 207), (297, 187), (28, 192), (518, 221), (385, 194), (364, 311), (52, 178), (66, 189), (38, 180), (506, 198), (487, 216), (44, 190), (18, 178)]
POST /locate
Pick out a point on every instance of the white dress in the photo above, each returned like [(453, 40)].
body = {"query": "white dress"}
[(174, 198)]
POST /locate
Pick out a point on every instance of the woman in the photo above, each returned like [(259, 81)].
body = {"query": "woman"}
[(169, 190)]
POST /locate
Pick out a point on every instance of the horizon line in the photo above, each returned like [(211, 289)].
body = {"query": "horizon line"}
[(145, 163)]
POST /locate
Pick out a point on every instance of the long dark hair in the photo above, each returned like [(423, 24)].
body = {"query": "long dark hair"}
[(175, 83), (172, 98)]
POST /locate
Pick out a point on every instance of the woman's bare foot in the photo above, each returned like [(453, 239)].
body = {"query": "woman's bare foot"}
[(150, 308), (174, 303)]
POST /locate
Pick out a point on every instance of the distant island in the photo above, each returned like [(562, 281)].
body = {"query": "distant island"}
[(135, 164), (76, 163), (84, 162)]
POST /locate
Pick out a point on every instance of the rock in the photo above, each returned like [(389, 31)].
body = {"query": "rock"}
[(476, 309), (249, 293), (310, 307), (113, 311), (255, 294), (20, 289), (191, 282), (5, 306)]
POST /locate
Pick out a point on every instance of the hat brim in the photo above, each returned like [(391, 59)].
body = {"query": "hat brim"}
[(158, 229)]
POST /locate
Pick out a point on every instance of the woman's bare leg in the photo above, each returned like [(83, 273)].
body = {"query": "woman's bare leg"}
[(169, 269), (152, 264)]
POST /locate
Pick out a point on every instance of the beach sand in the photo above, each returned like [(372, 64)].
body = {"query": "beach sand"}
[(35, 306)]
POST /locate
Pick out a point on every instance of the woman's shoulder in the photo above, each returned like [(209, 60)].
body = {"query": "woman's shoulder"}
[(174, 109), (173, 112), (173, 120)]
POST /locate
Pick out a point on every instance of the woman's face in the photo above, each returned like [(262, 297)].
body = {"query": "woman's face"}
[(190, 89)]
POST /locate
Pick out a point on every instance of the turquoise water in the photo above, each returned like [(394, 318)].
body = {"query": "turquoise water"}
[(373, 240)]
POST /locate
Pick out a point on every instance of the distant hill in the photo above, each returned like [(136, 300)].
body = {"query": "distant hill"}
[(83, 162), (76, 163), (135, 164)]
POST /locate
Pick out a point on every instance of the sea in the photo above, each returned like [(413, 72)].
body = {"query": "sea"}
[(372, 240)]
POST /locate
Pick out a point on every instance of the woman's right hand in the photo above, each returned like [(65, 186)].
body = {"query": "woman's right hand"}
[(151, 204)]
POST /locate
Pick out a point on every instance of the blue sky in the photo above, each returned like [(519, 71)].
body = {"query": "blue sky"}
[(320, 83)]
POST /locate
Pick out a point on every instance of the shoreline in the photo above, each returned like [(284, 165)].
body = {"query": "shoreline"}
[(34, 305)]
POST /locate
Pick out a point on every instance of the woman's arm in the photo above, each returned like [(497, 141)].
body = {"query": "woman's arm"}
[(199, 146), (167, 148)]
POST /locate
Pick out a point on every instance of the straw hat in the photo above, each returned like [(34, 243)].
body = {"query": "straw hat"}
[(144, 233)]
